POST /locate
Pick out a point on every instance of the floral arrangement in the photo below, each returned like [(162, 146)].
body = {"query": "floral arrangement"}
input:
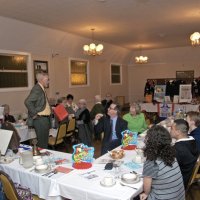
[(129, 140), (82, 156)]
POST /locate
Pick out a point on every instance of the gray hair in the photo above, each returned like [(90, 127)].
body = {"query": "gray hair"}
[(40, 75)]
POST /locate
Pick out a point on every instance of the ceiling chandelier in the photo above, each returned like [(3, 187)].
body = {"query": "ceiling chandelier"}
[(141, 59), (92, 48), (195, 39)]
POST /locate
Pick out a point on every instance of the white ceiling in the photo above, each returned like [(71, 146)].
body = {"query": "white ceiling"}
[(133, 24)]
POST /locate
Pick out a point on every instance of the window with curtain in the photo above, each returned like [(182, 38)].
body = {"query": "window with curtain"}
[(13, 71), (78, 72), (116, 74)]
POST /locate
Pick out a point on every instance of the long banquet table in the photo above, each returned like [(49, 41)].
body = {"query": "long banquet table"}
[(74, 185)]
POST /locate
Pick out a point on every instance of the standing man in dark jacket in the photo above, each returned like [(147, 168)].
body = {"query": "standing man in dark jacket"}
[(112, 126), (39, 109), (186, 149)]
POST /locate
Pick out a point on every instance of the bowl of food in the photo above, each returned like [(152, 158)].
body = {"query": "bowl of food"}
[(117, 154), (130, 178)]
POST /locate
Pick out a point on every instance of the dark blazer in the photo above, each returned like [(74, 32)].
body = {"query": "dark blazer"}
[(196, 135), (36, 101), (104, 126)]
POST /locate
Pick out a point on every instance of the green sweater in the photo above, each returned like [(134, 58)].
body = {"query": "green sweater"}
[(136, 123)]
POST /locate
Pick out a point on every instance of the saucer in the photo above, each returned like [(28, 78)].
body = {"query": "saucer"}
[(132, 182), (102, 183)]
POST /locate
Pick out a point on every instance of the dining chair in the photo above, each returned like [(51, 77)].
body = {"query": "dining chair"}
[(53, 141), (70, 128), (9, 188), (194, 178)]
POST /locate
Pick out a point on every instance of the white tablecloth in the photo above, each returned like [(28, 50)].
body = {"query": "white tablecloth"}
[(26, 133), (74, 185)]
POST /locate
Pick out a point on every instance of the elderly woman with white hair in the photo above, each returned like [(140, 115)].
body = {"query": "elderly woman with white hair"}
[(84, 123)]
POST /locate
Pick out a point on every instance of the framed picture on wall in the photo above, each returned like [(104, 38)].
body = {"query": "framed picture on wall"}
[(40, 66), (189, 74)]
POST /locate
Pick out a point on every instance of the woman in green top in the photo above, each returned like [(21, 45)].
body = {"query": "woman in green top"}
[(136, 120)]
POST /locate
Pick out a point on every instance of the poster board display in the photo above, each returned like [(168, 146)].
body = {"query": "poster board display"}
[(159, 93), (5, 137), (185, 93)]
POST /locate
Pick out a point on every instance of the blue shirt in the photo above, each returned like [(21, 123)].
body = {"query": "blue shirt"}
[(114, 121)]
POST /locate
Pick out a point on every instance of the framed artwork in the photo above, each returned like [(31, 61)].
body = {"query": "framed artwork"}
[(38, 66), (185, 93)]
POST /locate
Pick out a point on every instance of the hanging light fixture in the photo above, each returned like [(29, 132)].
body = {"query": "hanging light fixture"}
[(92, 48), (141, 59), (195, 39)]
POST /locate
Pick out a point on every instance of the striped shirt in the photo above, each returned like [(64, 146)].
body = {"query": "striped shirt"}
[(167, 182)]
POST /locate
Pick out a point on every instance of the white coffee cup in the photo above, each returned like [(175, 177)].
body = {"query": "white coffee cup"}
[(138, 159), (39, 161), (108, 180)]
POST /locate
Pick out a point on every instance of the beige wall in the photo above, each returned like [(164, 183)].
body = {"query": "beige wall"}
[(163, 63), (42, 42)]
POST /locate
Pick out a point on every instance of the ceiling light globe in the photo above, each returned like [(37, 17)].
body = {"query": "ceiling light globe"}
[(100, 47), (85, 47), (92, 46)]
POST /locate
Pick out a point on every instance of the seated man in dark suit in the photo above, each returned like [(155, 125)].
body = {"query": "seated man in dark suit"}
[(112, 126), (186, 149), (7, 116)]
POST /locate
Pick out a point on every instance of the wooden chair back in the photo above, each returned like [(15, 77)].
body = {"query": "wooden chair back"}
[(53, 141), (8, 187), (195, 174), (71, 127)]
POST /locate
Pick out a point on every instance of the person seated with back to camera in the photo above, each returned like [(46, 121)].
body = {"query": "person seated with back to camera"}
[(136, 119), (111, 125), (161, 172), (97, 109), (7, 116), (186, 148), (193, 119)]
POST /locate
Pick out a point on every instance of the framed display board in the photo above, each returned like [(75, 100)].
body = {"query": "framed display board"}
[(185, 74), (5, 137)]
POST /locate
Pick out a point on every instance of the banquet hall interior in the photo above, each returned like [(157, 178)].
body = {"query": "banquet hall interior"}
[(133, 41)]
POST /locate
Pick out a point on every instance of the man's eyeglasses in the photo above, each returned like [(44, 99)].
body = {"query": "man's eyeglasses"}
[(112, 108)]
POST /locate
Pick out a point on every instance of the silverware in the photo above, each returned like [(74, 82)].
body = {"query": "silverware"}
[(46, 174), (55, 172), (128, 186)]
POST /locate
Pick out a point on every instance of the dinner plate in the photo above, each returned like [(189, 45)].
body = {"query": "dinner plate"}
[(105, 185), (6, 160), (133, 182), (43, 171)]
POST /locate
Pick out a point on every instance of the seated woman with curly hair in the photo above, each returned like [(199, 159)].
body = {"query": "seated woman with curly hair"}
[(162, 175)]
